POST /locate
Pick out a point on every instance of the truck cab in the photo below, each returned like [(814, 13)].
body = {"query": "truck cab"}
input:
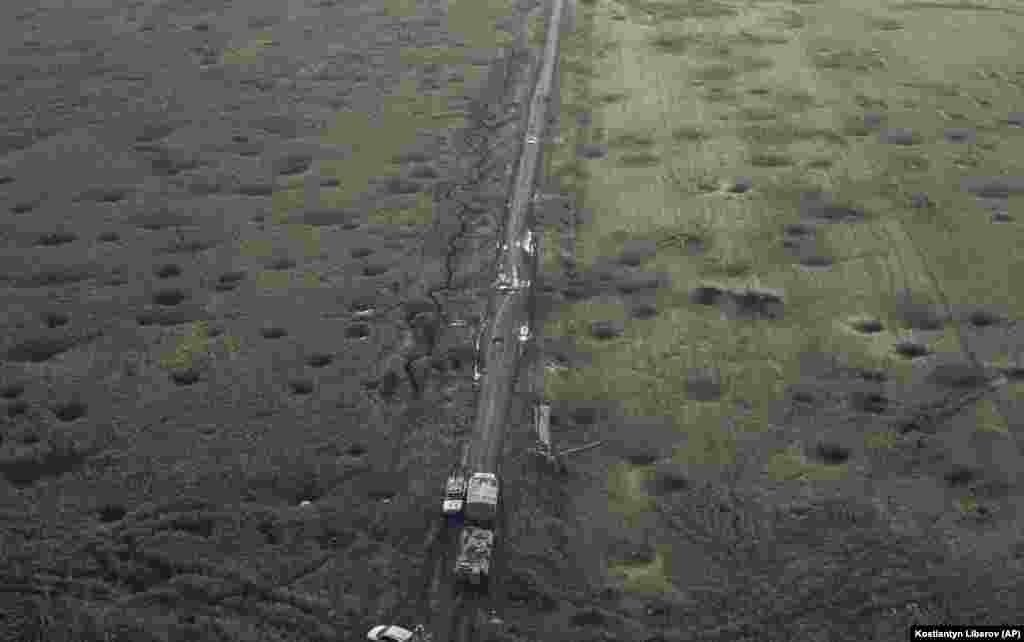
[(454, 495)]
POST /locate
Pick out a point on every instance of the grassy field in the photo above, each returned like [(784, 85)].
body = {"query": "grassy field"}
[(382, 140), (799, 172)]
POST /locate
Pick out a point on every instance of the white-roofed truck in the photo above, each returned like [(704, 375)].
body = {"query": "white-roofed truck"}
[(476, 541), (482, 499), (393, 633)]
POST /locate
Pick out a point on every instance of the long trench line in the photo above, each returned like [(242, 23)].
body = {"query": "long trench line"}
[(451, 613), (510, 329)]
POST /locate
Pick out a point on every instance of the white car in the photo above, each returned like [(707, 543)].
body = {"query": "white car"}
[(454, 495), (392, 633), (451, 507)]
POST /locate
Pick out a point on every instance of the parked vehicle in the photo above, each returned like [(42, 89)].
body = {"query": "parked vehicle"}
[(454, 495), (476, 541), (482, 499), (392, 633), (473, 564)]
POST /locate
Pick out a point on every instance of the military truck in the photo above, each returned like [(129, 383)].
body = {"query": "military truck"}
[(482, 499), (474, 561), (476, 542)]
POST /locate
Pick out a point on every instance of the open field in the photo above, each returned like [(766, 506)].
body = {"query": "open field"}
[(793, 270), (244, 248)]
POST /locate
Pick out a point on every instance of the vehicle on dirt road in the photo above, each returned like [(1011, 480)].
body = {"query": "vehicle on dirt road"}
[(476, 540), (393, 633), (482, 499), (454, 495), (473, 564)]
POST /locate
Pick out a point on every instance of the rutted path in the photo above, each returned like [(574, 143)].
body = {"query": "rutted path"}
[(466, 232), (504, 331)]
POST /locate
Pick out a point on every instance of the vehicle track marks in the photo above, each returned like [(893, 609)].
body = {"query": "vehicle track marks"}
[(431, 598), (512, 299), (965, 349)]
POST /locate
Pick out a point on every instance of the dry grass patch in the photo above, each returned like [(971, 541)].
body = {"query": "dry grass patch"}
[(691, 133), (421, 214), (717, 72), (197, 347), (796, 152), (250, 52), (673, 43)]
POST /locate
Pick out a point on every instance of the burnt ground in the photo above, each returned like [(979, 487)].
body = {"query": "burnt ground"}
[(189, 450)]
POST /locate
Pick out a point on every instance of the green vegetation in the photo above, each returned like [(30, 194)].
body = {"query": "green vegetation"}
[(717, 71), (421, 214), (967, 506), (669, 42), (401, 8), (475, 21), (770, 159), (793, 20), (550, 259), (887, 24), (690, 133), (646, 578), (881, 440), (797, 128), (256, 248), (754, 63), (308, 236), (848, 58), (792, 464), (962, 6), (250, 52), (721, 95), (632, 139), (197, 347), (639, 159), (285, 201), (377, 139), (759, 112), (663, 10), (985, 417), (612, 97), (794, 100), (625, 490), (571, 169), (761, 39), (784, 132), (286, 279), (433, 55)]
